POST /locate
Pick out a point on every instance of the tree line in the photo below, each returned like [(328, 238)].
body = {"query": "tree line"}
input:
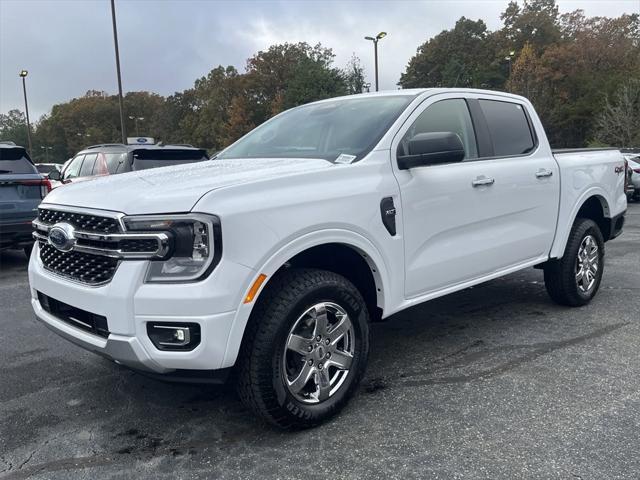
[(581, 73), (217, 110)]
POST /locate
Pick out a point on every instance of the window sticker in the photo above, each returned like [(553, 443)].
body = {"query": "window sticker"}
[(345, 159)]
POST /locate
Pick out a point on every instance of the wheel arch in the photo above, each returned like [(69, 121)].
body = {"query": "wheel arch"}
[(593, 205), (341, 251)]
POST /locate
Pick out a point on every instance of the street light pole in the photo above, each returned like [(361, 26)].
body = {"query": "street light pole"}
[(511, 54), (23, 74), (375, 52), (115, 42)]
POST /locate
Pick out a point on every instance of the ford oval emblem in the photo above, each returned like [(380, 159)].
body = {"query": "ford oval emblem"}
[(62, 237)]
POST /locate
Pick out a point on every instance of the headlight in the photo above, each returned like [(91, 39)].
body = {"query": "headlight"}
[(195, 245)]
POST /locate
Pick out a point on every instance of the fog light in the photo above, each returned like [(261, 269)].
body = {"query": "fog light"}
[(174, 336)]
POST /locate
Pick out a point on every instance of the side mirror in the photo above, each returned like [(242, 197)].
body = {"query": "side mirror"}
[(54, 175), (432, 148)]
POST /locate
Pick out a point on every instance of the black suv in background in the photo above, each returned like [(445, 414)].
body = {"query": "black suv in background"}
[(113, 158), (22, 188)]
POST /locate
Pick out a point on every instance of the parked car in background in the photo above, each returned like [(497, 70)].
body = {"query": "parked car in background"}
[(633, 162), (22, 188), (269, 262), (46, 168), (110, 159)]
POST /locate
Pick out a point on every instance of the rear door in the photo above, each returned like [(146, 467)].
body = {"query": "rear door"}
[(527, 179), (22, 188)]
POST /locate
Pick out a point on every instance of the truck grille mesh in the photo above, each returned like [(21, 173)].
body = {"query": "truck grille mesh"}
[(81, 221), (78, 266)]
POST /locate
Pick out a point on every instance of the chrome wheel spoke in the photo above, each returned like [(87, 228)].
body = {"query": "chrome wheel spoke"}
[(340, 329), (340, 359), (320, 314), (299, 344), (323, 383), (302, 379)]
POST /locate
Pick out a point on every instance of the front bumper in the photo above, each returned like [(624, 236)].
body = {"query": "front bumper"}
[(129, 304)]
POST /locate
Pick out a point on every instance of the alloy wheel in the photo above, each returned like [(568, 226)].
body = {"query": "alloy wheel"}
[(318, 353), (587, 264)]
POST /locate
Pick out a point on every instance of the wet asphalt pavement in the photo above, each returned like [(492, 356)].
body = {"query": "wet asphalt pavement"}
[(491, 382)]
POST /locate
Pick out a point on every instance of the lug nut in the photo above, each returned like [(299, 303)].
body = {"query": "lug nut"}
[(310, 348), (327, 341), (319, 366), (318, 338), (328, 355), (310, 362)]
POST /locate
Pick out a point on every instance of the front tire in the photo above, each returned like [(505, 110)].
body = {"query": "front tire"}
[(574, 279), (305, 348)]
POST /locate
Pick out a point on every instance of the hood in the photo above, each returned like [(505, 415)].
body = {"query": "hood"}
[(177, 188)]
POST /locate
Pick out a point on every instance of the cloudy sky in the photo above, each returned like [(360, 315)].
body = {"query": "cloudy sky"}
[(67, 45)]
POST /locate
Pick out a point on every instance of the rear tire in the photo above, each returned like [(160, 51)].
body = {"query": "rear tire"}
[(574, 279), (306, 323)]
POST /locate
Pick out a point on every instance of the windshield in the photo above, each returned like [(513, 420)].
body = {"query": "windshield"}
[(344, 130)]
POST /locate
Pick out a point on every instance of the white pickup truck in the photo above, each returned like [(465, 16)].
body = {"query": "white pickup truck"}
[(270, 261)]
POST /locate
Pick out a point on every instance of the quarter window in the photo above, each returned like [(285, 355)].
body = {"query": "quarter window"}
[(508, 126), (114, 160), (445, 116)]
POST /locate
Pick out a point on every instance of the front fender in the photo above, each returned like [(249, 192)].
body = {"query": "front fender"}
[(283, 253)]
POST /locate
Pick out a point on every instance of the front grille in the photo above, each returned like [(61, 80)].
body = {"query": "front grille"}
[(135, 245), (82, 267), (90, 322), (81, 221), (138, 245)]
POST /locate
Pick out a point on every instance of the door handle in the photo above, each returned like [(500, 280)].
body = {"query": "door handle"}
[(543, 172), (483, 181)]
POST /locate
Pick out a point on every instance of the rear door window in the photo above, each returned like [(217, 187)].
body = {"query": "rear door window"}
[(87, 165), (15, 161), (509, 128), (100, 166)]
